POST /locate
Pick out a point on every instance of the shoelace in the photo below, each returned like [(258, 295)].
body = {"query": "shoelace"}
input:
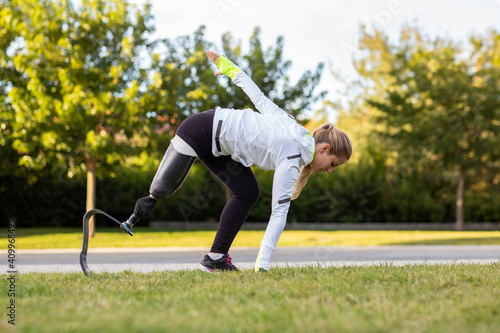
[(228, 260)]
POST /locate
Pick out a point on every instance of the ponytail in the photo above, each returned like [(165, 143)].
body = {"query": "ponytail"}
[(340, 145), (304, 174)]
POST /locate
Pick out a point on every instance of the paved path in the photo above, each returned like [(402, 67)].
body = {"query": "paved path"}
[(151, 259)]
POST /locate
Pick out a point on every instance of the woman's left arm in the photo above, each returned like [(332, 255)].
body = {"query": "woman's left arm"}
[(242, 80)]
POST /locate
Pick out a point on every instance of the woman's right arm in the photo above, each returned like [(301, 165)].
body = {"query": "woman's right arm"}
[(284, 180)]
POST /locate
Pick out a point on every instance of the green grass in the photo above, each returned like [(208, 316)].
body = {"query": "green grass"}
[(144, 237), (385, 298)]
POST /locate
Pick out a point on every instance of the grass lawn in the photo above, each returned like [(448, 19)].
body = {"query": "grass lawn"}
[(144, 237), (414, 298)]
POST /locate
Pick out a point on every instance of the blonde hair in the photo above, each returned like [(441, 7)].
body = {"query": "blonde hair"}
[(340, 146)]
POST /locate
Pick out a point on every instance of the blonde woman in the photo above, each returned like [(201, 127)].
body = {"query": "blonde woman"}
[(228, 142)]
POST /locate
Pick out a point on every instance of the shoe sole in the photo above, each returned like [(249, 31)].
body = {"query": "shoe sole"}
[(206, 269)]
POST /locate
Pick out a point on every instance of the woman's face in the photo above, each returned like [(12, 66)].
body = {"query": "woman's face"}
[(323, 161)]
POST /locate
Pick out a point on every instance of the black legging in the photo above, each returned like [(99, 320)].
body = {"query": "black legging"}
[(197, 132)]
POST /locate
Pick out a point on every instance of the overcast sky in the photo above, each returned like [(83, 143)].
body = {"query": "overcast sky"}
[(318, 31)]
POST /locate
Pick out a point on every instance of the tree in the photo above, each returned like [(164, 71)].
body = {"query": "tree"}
[(74, 83), (438, 104)]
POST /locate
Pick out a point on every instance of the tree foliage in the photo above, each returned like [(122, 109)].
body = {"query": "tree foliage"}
[(435, 104), (75, 80)]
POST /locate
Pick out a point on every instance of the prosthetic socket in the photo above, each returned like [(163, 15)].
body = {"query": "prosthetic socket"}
[(172, 172)]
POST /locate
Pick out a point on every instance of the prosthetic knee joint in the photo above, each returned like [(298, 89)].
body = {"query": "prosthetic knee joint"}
[(172, 172)]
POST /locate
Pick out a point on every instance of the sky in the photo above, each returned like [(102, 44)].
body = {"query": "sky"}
[(321, 30)]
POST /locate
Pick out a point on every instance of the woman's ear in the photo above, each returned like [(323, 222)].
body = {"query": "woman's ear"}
[(324, 148)]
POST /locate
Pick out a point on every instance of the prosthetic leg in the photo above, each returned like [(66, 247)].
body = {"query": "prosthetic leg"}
[(85, 244), (172, 172)]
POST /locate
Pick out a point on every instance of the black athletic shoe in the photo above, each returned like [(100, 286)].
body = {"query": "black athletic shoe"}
[(209, 265)]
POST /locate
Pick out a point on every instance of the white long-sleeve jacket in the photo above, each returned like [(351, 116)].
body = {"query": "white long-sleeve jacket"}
[(271, 140)]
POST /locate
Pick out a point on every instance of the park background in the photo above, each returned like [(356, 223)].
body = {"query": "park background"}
[(91, 92)]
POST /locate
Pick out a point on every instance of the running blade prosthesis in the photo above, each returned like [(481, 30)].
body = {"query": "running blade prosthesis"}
[(86, 218)]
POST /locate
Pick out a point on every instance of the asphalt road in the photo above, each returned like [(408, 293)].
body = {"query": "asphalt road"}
[(151, 259)]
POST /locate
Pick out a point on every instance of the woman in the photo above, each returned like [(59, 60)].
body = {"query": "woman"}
[(228, 142)]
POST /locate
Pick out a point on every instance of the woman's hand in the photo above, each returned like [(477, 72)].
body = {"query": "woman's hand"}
[(214, 58)]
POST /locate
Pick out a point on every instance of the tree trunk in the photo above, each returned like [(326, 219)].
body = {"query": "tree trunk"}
[(91, 195), (459, 224)]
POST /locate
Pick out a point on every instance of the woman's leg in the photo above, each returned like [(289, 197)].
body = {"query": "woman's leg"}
[(196, 133), (243, 184), (169, 177)]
